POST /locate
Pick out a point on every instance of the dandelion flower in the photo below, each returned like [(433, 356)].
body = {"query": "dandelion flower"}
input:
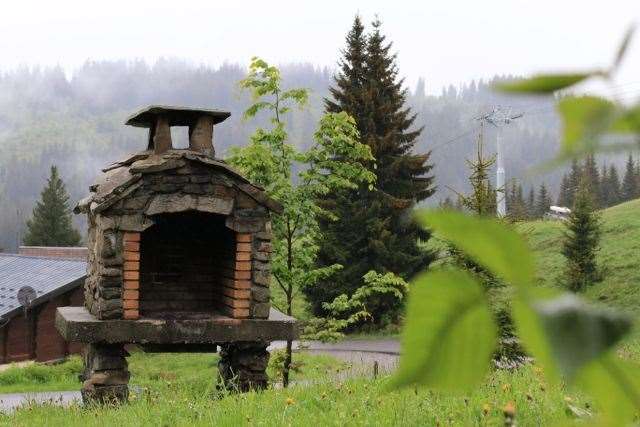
[(290, 401), (509, 409), (486, 408)]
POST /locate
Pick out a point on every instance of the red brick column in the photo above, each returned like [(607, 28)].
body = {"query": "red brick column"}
[(131, 275), (236, 296)]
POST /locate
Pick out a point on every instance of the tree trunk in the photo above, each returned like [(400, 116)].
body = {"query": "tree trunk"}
[(287, 359), (287, 365)]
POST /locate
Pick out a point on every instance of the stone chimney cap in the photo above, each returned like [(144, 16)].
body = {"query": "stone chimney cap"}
[(177, 116)]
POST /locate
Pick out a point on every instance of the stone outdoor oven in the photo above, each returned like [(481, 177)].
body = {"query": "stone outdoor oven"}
[(179, 248)]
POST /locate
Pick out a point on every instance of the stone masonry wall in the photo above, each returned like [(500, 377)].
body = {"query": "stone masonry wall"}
[(116, 234)]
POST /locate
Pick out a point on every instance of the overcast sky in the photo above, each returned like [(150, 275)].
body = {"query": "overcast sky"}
[(444, 41)]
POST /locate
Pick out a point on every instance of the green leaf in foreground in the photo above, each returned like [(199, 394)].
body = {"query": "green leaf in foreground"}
[(584, 119), (628, 121), (531, 331), (490, 243), (615, 385), (543, 83), (579, 332), (449, 336)]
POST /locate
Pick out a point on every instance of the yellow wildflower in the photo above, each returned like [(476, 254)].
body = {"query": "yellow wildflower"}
[(486, 408)]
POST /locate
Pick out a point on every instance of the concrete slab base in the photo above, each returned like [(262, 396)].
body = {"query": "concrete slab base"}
[(76, 324)]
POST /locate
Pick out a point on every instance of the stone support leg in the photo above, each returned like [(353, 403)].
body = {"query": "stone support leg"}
[(243, 366), (106, 376)]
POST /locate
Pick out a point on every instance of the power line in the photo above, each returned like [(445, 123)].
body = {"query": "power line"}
[(455, 138)]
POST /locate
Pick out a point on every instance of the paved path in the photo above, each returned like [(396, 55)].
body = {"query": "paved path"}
[(361, 354), (9, 402)]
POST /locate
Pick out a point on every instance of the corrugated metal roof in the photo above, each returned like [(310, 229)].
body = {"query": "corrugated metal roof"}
[(44, 275)]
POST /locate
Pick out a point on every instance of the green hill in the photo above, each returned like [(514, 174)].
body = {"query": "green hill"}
[(619, 255)]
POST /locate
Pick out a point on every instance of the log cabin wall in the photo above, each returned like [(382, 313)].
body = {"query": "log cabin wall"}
[(35, 337)]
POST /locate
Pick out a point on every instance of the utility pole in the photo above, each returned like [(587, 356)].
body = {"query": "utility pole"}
[(500, 117)]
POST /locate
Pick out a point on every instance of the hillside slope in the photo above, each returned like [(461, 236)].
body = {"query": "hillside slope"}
[(619, 255)]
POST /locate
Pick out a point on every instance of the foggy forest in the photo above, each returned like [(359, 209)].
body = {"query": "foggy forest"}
[(75, 122)]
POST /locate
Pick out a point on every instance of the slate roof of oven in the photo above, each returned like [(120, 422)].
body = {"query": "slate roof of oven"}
[(126, 173), (49, 277)]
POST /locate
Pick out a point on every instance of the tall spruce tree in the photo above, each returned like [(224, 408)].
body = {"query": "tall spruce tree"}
[(531, 203), (575, 176), (563, 194), (482, 199), (543, 202), (581, 242), (374, 230), (348, 94), (517, 209), (591, 177), (629, 188), (612, 187), (50, 223)]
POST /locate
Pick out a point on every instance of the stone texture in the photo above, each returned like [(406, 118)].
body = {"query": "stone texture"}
[(134, 192), (260, 294), (261, 278), (242, 366), (76, 324), (105, 376), (260, 310)]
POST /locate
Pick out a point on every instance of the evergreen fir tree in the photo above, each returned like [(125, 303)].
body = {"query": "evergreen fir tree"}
[(482, 202), (575, 176), (482, 199), (592, 179), (510, 196), (543, 202), (637, 174), (50, 223), (447, 203), (531, 203), (348, 94), (581, 241), (613, 195), (604, 187), (629, 188), (374, 230), (563, 194), (518, 210)]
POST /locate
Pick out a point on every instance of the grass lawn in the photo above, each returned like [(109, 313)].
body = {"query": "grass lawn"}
[(150, 371), (193, 401), (179, 390), (619, 255)]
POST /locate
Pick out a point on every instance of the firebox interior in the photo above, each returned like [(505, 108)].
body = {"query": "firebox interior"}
[(185, 259)]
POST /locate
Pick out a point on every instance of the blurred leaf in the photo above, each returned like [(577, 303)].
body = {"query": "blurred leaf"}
[(615, 385), (626, 40), (450, 334), (585, 119), (490, 243), (628, 121), (544, 83), (531, 330), (578, 332)]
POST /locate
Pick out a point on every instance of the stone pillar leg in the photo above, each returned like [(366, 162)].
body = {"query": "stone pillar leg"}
[(243, 366), (106, 376)]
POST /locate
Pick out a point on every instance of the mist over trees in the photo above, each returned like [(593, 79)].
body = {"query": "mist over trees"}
[(76, 122)]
